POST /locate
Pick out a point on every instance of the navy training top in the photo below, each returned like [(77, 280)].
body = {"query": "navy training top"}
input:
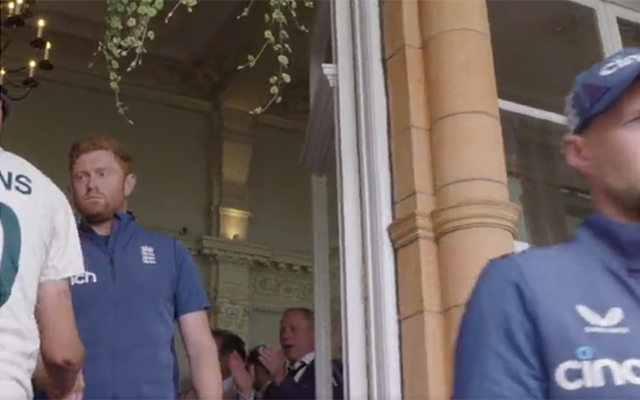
[(136, 284), (559, 322)]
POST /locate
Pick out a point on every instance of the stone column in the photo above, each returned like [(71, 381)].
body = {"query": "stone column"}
[(237, 149), (420, 308), (474, 220), (231, 277), (232, 302)]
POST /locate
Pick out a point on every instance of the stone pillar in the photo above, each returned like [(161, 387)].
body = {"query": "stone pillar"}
[(231, 277), (237, 149), (232, 302), (474, 220), (420, 308)]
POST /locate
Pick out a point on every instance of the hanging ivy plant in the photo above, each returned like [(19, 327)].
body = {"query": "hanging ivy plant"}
[(128, 31)]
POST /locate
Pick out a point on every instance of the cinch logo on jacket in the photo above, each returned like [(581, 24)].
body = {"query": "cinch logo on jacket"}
[(85, 277), (588, 372)]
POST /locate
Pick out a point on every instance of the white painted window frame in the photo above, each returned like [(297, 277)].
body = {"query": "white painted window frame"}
[(607, 13), (370, 330), (371, 346)]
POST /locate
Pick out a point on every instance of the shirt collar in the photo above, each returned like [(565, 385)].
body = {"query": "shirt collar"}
[(618, 239), (306, 360), (227, 384)]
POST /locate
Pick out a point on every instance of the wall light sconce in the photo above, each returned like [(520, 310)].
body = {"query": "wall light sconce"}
[(234, 223)]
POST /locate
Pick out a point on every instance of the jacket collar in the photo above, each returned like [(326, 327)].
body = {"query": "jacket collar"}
[(120, 219), (120, 231), (617, 240)]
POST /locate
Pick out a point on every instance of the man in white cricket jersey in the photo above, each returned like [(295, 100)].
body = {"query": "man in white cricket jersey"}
[(39, 250)]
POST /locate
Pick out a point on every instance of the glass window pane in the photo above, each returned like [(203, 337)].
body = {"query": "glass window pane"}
[(629, 33), (539, 47), (540, 180)]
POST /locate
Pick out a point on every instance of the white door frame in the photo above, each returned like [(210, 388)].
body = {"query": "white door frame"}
[(370, 332)]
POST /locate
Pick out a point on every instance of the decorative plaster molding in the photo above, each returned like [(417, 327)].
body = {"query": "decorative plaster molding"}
[(232, 315), (282, 288), (408, 229), (476, 213), (269, 309), (258, 256)]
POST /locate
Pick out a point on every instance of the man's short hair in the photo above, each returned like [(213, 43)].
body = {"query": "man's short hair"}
[(229, 343), (95, 143), (306, 313)]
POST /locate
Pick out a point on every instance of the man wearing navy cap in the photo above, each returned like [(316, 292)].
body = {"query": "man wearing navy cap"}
[(563, 322)]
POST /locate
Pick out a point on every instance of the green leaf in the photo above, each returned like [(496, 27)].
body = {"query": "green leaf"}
[(151, 35), (131, 22), (283, 60), (286, 77)]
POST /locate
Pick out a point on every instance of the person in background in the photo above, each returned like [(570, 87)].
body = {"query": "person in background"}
[(252, 378), (229, 345), (292, 367), (40, 251), (137, 285), (562, 322)]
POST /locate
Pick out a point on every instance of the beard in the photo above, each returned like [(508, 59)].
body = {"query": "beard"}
[(95, 212), (628, 199)]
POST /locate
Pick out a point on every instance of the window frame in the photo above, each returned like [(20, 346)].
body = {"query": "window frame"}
[(607, 13)]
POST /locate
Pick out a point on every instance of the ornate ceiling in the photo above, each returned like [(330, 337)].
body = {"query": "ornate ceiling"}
[(207, 44)]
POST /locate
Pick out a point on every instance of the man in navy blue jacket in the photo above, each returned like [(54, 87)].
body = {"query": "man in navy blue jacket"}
[(292, 367), (563, 322), (137, 284)]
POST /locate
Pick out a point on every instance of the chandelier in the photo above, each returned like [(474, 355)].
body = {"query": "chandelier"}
[(17, 79)]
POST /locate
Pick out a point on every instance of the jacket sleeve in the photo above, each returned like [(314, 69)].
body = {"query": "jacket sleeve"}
[(289, 389), (498, 354)]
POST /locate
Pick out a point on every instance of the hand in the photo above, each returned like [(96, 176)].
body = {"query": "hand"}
[(74, 394), (274, 360), (241, 377)]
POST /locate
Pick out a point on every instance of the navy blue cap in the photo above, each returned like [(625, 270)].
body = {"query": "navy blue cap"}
[(597, 88)]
